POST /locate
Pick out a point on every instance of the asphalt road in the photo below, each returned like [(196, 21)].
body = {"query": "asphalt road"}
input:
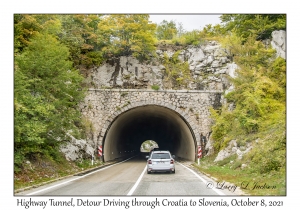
[(130, 178)]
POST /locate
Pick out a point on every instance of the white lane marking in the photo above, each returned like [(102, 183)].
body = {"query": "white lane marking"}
[(203, 180), (79, 177), (137, 182)]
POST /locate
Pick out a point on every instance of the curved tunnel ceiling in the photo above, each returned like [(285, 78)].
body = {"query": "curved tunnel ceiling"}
[(130, 129)]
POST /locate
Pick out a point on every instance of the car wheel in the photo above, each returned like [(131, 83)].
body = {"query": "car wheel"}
[(148, 172), (174, 171)]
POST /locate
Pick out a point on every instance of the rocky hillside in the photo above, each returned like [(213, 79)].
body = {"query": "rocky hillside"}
[(209, 68), (208, 65)]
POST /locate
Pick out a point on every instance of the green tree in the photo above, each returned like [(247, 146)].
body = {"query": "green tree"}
[(167, 30), (262, 25), (126, 35), (213, 32), (47, 93), (78, 33), (180, 29), (31, 118), (26, 26)]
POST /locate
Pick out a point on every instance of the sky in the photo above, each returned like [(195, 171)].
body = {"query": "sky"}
[(189, 21)]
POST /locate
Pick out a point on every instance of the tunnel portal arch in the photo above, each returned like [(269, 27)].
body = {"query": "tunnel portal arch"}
[(169, 128), (105, 107)]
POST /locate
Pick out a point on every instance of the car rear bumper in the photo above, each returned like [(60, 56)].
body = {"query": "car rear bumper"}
[(152, 169)]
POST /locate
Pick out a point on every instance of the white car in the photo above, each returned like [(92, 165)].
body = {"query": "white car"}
[(160, 161)]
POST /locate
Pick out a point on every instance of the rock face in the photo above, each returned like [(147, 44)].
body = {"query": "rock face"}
[(76, 149), (208, 64), (279, 43), (232, 149)]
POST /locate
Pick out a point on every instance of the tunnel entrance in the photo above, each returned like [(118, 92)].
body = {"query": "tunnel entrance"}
[(130, 129), (148, 145)]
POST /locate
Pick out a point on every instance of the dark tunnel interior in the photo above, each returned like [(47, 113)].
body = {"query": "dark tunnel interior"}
[(130, 129)]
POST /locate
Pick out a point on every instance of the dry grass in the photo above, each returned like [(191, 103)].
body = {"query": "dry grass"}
[(249, 181)]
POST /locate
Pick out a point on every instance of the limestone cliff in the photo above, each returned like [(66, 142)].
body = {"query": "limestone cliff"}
[(208, 64)]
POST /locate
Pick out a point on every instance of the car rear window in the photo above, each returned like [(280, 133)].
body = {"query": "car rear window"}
[(160, 156)]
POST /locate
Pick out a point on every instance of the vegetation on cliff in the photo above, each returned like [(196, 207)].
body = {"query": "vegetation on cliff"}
[(259, 101)]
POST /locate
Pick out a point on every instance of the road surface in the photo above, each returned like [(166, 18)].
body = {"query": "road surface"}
[(129, 177)]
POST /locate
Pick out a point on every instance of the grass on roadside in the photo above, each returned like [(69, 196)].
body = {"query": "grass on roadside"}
[(247, 179), (44, 170)]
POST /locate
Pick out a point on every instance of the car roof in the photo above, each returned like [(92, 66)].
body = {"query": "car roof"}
[(161, 151)]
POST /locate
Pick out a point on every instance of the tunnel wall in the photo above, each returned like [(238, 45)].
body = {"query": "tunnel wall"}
[(102, 106), (132, 127)]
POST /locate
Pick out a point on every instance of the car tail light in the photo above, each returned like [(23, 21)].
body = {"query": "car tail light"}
[(149, 162), (172, 161)]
